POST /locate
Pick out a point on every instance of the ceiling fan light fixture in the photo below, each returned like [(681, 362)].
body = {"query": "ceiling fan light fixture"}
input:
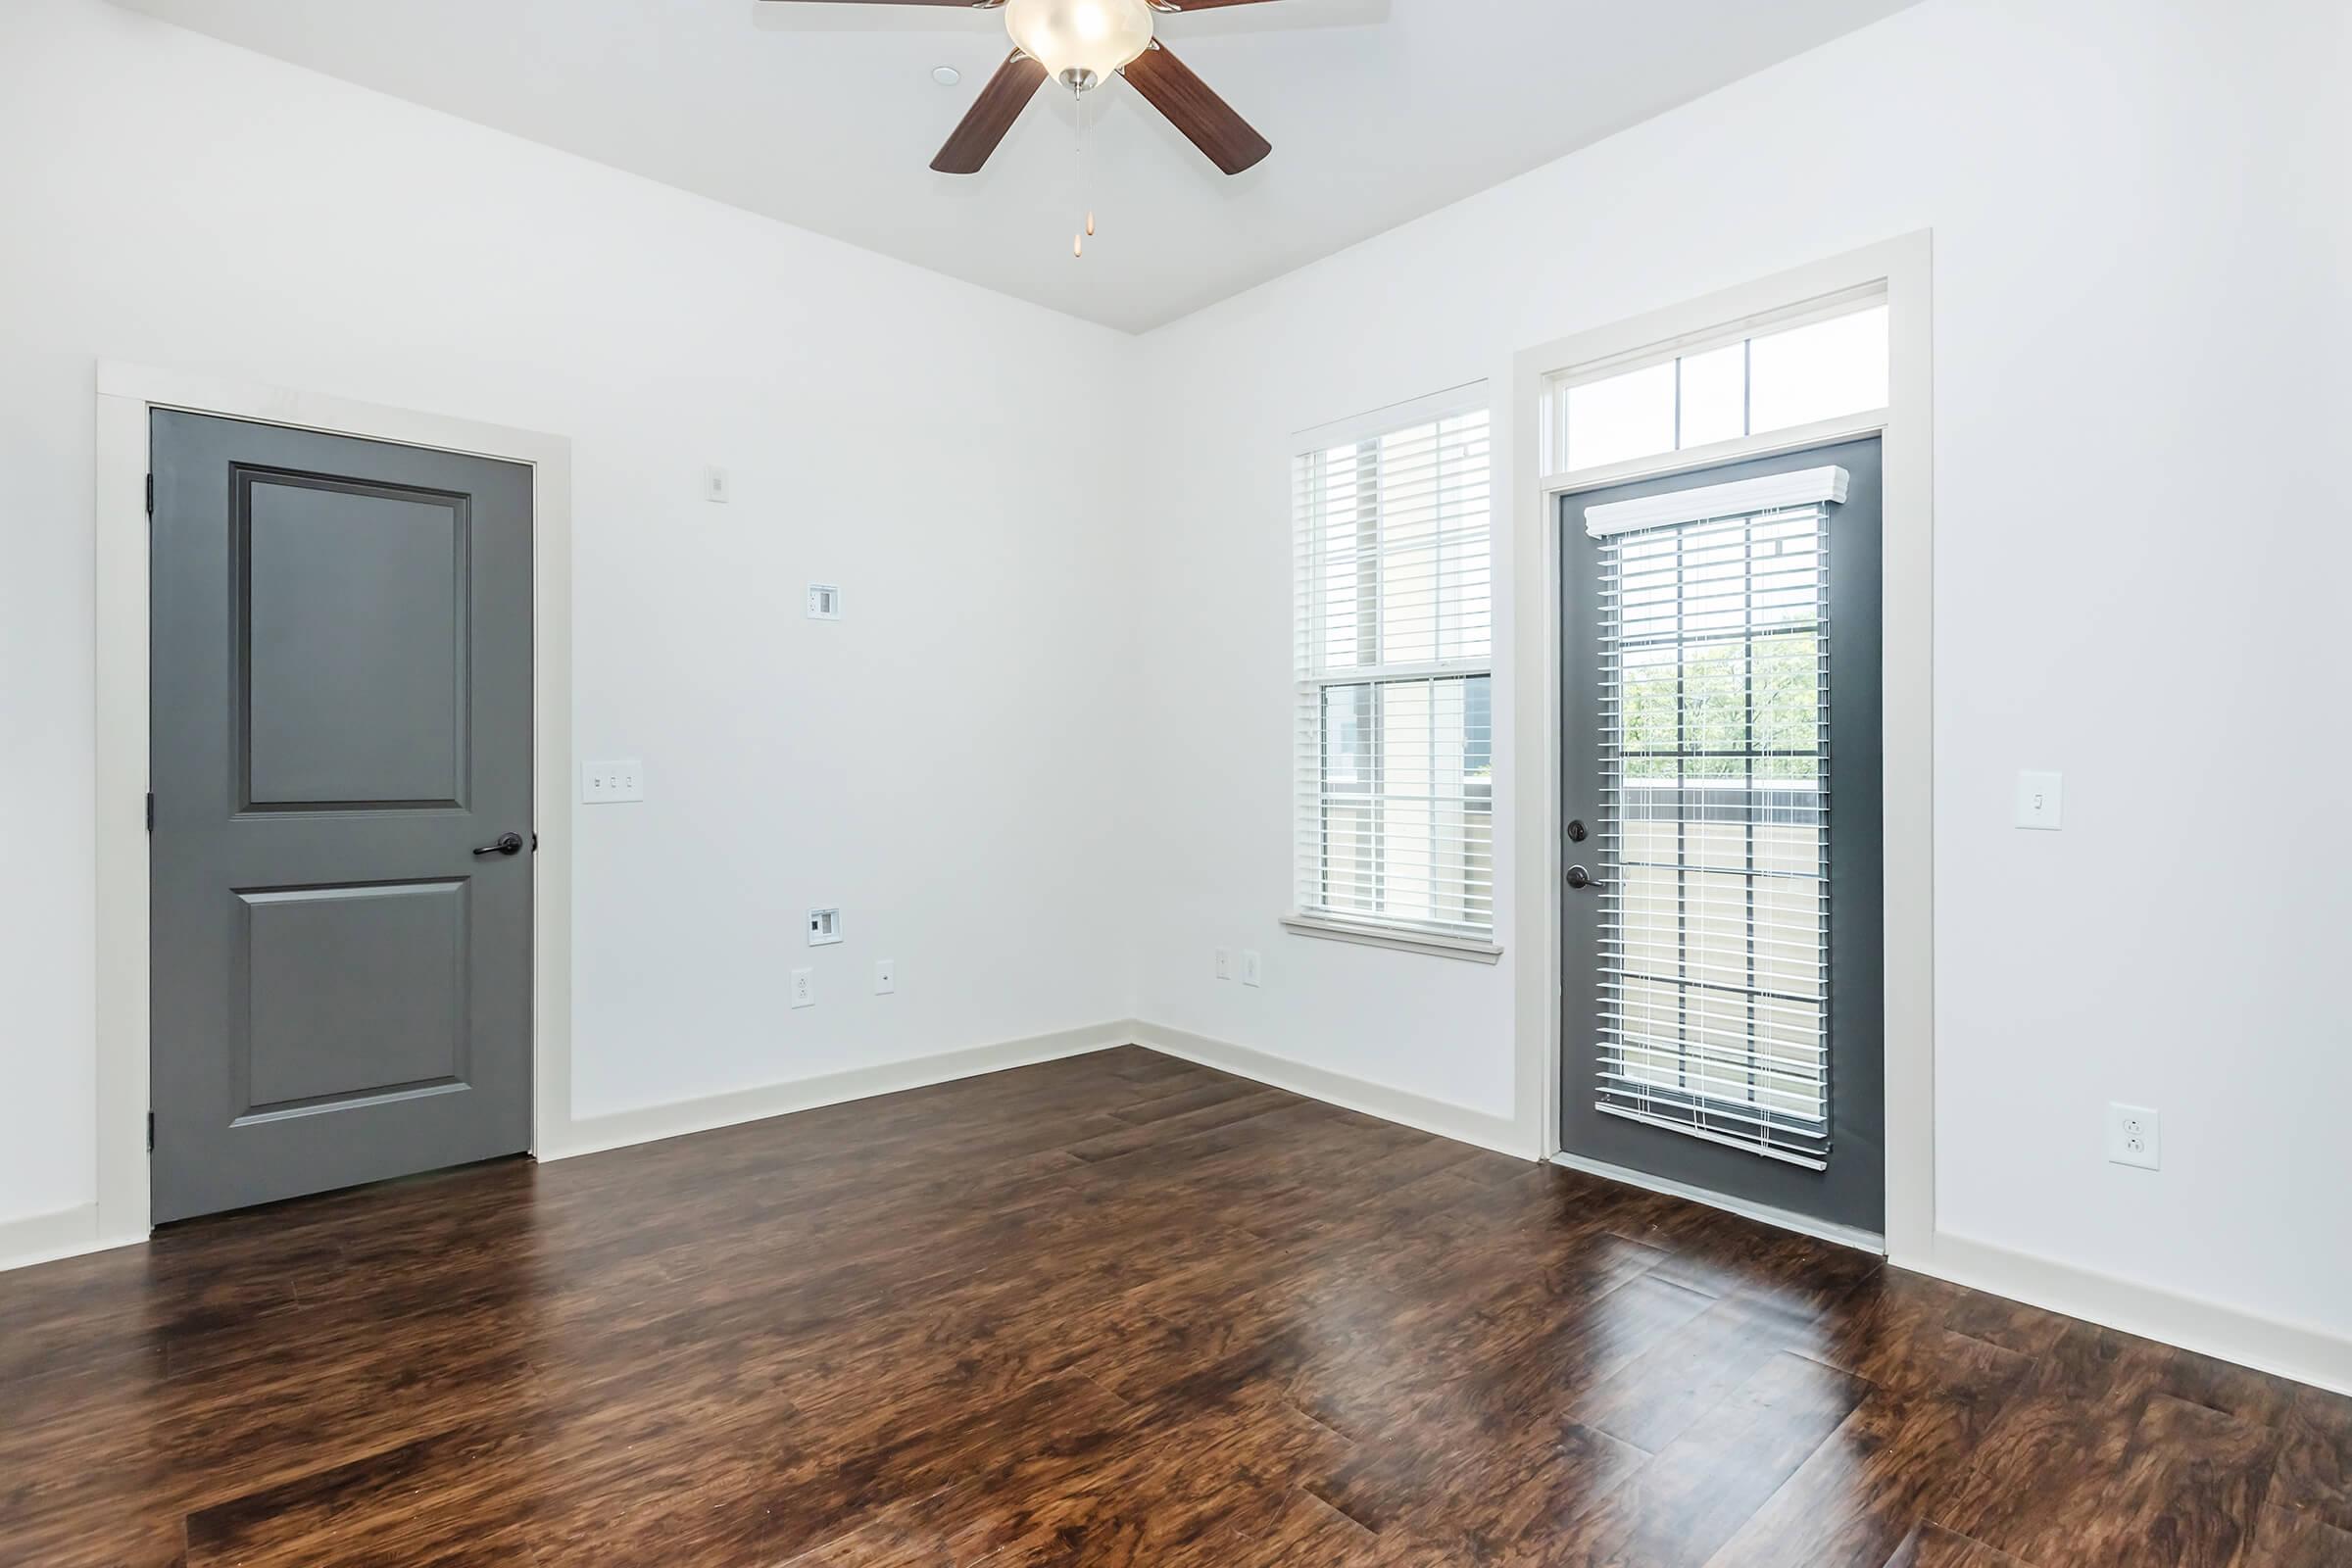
[(1080, 42)]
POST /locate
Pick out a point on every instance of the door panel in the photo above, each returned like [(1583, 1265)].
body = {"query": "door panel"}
[(1694, 759), (354, 991), (341, 681), (355, 602)]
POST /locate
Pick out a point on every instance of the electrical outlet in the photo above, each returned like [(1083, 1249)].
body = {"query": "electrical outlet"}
[(1249, 969), (1224, 963), (824, 927), (804, 988), (2135, 1136), (824, 601), (2041, 800), (609, 783), (885, 976)]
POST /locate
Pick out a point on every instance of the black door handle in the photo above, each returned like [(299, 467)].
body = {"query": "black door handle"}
[(507, 844), (1580, 878)]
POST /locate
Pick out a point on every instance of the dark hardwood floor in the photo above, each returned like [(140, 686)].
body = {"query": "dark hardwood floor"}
[(1114, 1311)]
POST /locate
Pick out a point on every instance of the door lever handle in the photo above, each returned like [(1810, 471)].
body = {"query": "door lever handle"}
[(507, 844), (1580, 878)]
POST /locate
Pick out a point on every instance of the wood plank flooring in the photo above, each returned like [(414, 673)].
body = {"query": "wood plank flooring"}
[(1114, 1311)]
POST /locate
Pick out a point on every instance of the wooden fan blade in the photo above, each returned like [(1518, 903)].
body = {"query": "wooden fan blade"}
[(1168, 84), (992, 115)]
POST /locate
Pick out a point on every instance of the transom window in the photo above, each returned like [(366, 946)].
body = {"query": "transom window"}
[(1788, 371), (1395, 676)]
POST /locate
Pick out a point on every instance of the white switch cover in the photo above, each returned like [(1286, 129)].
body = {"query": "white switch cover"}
[(1224, 963), (804, 988), (608, 783), (824, 601), (1250, 968), (885, 976), (2040, 801), (2135, 1136), (824, 927), (717, 486)]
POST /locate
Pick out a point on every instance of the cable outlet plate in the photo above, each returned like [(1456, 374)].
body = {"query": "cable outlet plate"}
[(2135, 1136)]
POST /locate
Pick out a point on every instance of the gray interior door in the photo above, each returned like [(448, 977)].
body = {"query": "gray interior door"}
[(342, 727), (1721, 985)]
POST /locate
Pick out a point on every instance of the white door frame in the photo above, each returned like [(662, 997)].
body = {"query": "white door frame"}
[(126, 395), (1901, 267)]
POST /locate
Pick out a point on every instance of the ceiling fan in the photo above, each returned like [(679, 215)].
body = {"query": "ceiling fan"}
[(1081, 43)]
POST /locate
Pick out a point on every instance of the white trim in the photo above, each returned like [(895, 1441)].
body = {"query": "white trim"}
[(44, 1238), (647, 1125), (1404, 939), (126, 395), (2302, 1352), (1763, 1214), (1773, 492), (1454, 400), (1902, 268), (1401, 1106)]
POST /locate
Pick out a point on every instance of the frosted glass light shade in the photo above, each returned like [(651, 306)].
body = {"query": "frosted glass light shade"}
[(1080, 41)]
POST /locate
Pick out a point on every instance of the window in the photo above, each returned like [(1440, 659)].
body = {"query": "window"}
[(1715, 847), (1395, 685), (1821, 363)]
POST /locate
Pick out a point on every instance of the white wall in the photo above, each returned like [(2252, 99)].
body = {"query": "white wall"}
[(2141, 505), (932, 763)]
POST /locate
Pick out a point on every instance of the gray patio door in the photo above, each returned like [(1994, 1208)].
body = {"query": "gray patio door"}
[(1723, 1016), (340, 868)]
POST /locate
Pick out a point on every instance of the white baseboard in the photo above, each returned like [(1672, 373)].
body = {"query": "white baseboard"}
[(2298, 1351), (1457, 1123), (1803, 1224), (45, 1237), (648, 1124)]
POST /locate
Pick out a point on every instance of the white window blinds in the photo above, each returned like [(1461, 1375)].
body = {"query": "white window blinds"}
[(1715, 908), (1394, 695)]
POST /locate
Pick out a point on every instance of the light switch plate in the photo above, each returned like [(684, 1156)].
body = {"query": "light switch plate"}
[(804, 988), (611, 783), (717, 486), (824, 927), (1251, 971), (824, 601), (2041, 800)]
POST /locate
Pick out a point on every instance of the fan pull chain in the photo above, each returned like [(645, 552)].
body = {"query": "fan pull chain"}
[(1078, 104)]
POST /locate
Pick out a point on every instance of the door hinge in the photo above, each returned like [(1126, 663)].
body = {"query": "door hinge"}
[(151, 495), (151, 810), (151, 1132)]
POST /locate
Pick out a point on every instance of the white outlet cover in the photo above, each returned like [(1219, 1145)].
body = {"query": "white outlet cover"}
[(717, 487), (885, 976), (1251, 970), (824, 601), (2135, 1136), (2041, 800), (804, 988), (611, 783), (1224, 963)]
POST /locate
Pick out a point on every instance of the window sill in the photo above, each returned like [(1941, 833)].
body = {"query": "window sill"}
[(1397, 938)]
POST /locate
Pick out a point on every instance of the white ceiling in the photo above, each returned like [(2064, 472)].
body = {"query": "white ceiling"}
[(826, 116)]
